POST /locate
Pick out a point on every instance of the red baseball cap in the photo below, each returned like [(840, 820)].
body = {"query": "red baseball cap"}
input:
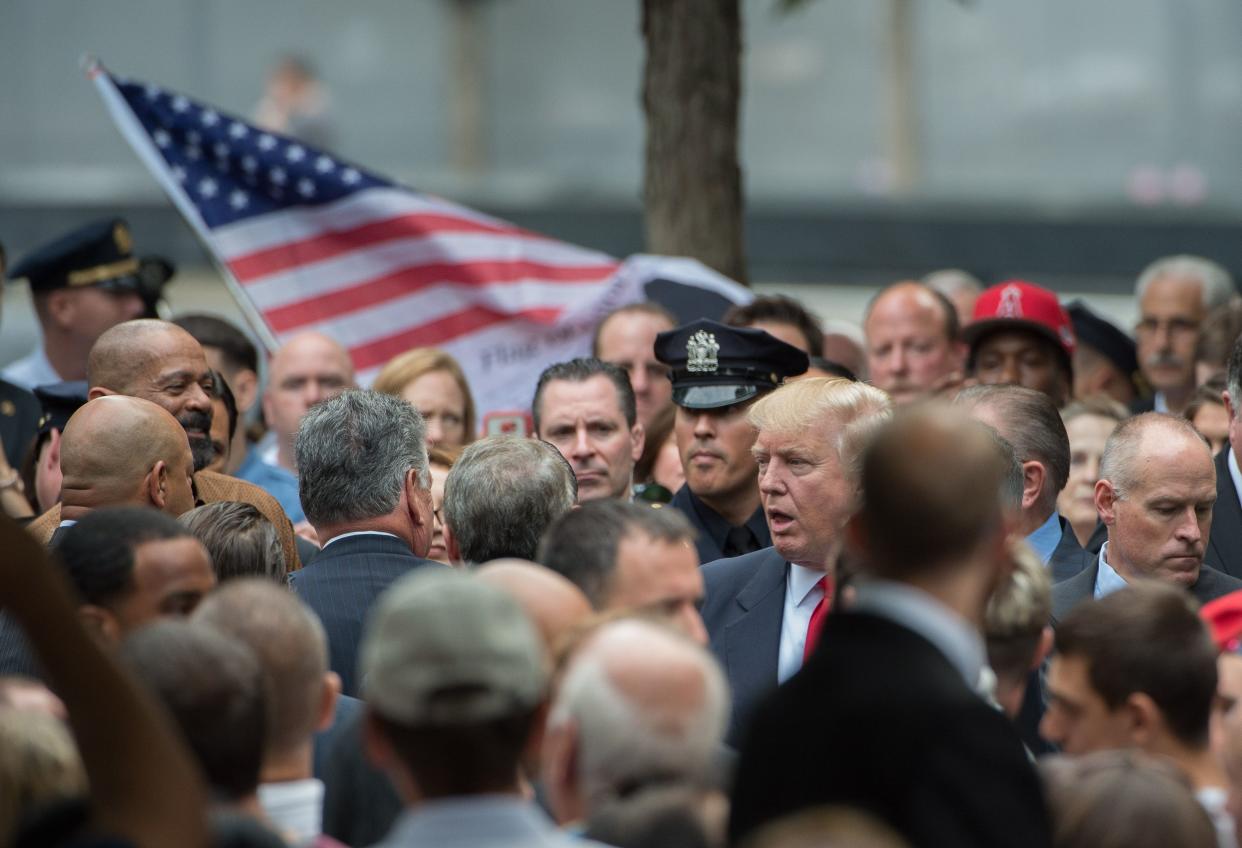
[(1223, 617), (1017, 304)]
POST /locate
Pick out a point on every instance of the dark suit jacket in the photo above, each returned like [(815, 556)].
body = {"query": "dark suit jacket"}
[(743, 606), (879, 719), (1224, 551), (342, 583), (1068, 558), (1143, 404), (1065, 596)]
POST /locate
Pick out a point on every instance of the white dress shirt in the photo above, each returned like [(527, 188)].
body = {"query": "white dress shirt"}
[(802, 595)]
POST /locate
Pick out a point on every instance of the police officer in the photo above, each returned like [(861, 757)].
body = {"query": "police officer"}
[(82, 284), (19, 419), (717, 372)]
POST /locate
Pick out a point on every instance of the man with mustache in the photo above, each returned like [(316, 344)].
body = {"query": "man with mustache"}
[(586, 409), (162, 363), (717, 373), (1156, 492), (1175, 294)]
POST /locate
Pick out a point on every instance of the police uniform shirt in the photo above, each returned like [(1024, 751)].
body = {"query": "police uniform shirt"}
[(714, 531)]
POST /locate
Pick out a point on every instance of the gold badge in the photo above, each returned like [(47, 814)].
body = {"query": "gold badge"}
[(120, 235), (701, 352), (8, 408)]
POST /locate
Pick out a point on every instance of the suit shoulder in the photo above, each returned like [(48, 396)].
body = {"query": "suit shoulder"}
[(725, 571)]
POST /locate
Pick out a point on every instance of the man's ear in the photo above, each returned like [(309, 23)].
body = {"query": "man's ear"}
[(51, 459), (61, 306), (855, 535), (327, 700), (1228, 403), (1033, 476), (156, 484), (98, 392), (416, 498), (1146, 722), (101, 624), (1106, 501), (245, 388), (450, 544), (638, 440), (1046, 641)]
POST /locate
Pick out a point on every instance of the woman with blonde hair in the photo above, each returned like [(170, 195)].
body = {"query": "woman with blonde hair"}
[(433, 382)]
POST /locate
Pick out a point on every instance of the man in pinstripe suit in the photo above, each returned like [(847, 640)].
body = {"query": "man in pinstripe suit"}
[(366, 489)]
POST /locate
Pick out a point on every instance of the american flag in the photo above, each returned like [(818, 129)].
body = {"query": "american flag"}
[(311, 241)]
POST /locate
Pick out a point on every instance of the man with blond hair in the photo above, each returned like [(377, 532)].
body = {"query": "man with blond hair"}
[(763, 610)]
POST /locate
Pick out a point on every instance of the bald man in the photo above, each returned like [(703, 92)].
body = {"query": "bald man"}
[(913, 344), (309, 369), (554, 604), (639, 703), (162, 363), (124, 451)]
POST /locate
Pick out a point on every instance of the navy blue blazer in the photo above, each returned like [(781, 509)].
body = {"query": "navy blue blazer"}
[(342, 583), (1224, 551), (1068, 558), (1069, 594), (743, 607)]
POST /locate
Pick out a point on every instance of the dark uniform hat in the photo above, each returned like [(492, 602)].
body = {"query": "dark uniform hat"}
[(714, 365), (60, 401), (98, 254)]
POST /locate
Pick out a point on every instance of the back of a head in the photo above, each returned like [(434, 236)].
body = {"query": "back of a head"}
[(353, 454), (290, 645), (649, 706), (236, 350), (938, 476), (552, 602), (1016, 615), (1147, 638), (240, 540), (98, 551), (826, 827), (111, 444), (1029, 421), (583, 544), (503, 494), (39, 766), (213, 687), (1123, 799), (663, 816)]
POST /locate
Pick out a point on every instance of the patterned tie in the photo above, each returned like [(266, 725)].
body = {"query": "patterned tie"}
[(818, 617), (739, 541)]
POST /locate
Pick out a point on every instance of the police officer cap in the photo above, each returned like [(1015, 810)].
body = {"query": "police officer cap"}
[(98, 254), (714, 365), (60, 401), (1105, 337)]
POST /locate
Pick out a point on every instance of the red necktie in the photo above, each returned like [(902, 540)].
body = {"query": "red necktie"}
[(818, 617)]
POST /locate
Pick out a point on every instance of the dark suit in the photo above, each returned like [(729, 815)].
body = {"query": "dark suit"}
[(711, 527), (342, 583), (1068, 558), (1065, 596), (1143, 404), (1224, 551), (743, 607), (20, 412), (879, 719)]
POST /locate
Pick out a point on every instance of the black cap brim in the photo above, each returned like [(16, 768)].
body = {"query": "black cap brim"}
[(715, 395)]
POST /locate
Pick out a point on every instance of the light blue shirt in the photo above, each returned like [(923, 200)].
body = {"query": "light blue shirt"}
[(1107, 580), (914, 609), (1046, 537), (484, 821), (31, 370)]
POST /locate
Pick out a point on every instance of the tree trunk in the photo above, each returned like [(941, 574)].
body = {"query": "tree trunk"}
[(692, 189)]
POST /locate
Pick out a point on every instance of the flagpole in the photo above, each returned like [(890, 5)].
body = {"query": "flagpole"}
[(141, 143)]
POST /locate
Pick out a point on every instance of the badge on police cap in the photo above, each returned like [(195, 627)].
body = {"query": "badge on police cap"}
[(120, 235), (701, 352)]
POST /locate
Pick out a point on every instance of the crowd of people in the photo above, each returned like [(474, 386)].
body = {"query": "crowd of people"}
[(967, 572)]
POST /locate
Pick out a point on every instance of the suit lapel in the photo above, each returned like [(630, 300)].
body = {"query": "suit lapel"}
[(753, 639), (1225, 539), (1068, 558), (1067, 595)]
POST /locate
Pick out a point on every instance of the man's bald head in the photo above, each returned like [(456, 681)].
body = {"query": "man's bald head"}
[(290, 644), (162, 363), (308, 369), (120, 450), (553, 602)]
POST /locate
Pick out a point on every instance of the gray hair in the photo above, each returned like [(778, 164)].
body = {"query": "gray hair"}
[(353, 453), (1121, 451), (503, 493), (582, 544), (1217, 283), (1032, 424), (625, 744)]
